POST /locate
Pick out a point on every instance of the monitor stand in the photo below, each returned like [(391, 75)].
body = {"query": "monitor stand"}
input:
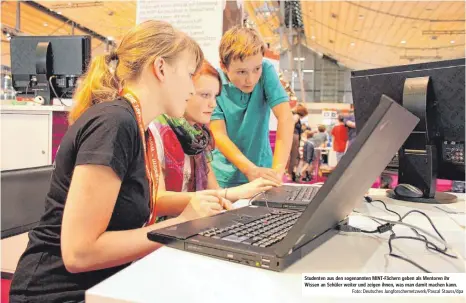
[(44, 70), (418, 155)]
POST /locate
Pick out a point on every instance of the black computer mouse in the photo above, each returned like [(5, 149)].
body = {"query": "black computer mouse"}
[(408, 191)]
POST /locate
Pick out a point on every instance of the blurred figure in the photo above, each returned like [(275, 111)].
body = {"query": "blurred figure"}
[(299, 112), (350, 124), (321, 136), (314, 140), (340, 137)]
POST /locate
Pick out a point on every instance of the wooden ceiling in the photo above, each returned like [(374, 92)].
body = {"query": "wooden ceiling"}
[(265, 17), (107, 18), (368, 34), (362, 34)]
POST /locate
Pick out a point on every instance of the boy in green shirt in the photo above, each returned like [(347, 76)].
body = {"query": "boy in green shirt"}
[(240, 122)]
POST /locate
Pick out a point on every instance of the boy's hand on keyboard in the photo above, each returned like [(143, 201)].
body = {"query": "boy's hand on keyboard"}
[(264, 172)]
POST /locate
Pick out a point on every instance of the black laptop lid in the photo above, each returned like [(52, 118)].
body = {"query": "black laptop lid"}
[(374, 147)]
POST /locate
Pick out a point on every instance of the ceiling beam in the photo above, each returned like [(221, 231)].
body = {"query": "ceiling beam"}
[(78, 5), (18, 16), (68, 20), (443, 32)]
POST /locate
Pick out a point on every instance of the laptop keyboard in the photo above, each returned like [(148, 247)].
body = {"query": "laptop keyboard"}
[(303, 194), (260, 231)]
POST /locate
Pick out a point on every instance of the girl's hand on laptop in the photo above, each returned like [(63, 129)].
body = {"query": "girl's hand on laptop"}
[(226, 203), (264, 172), (204, 205)]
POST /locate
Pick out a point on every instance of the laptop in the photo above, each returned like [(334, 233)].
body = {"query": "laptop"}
[(287, 196), (273, 239)]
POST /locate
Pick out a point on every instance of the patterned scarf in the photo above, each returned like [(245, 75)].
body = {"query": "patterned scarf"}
[(194, 139), (174, 153)]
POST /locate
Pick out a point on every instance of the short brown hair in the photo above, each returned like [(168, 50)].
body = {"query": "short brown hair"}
[(301, 110), (238, 43), (321, 128), (309, 134)]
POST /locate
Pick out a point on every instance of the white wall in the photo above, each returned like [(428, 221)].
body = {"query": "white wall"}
[(202, 20), (328, 82), (315, 111)]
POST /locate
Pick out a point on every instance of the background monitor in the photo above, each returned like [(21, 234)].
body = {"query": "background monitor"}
[(42, 64), (435, 92)]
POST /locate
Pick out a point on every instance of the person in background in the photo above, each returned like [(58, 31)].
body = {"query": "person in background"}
[(340, 137), (304, 128), (351, 126), (305, 123), (299, 112), (103, 197), (240, 122), (186, 144), (314, 140), (320, 138)]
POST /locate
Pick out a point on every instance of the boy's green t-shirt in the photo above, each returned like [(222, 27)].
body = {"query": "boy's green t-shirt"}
[(246, 118)]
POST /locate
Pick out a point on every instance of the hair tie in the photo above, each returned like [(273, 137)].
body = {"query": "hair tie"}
[(113, 56)]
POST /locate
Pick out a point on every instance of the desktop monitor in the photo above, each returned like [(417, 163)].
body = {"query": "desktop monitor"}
[(48, 66), (435, 92)]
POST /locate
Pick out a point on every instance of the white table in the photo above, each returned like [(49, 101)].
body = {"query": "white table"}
[(169, 275)]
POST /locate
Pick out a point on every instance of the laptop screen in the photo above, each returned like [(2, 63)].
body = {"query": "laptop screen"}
[(381, 137)]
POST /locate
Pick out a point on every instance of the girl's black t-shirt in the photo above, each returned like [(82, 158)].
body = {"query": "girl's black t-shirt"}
[(106, 134)]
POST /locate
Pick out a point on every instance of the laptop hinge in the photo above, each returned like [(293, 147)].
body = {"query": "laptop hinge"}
[(281, 251)]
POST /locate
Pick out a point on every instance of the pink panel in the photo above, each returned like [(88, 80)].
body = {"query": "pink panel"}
[(272, 137), (59, 128)]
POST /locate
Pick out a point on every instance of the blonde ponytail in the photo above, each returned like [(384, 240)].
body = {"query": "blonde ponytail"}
[(98, 85), (138, 48)]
